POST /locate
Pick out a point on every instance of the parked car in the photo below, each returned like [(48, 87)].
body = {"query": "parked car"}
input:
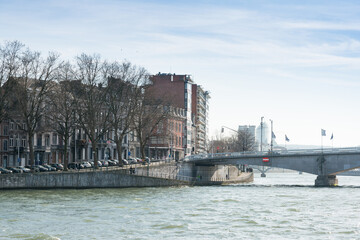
[(58, 166), (104, 163), (42, 168), (99, 164), (5, 171), (75, 165), (112, 163), (86, 165), (33, 168), (50, 168), (125, 162), (14, 169), (132, 160), (24, 169)]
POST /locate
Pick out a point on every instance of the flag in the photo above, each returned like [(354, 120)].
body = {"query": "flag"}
[(273, 135), (287, 139), (323, 132), (332, 136)]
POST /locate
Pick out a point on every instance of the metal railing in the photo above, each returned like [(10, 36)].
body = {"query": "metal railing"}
[(267, 153), (144, 171)]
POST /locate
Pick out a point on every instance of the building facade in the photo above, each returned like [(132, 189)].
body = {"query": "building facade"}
[(200, 112), (176, 89), (4, 143), (167, 141)]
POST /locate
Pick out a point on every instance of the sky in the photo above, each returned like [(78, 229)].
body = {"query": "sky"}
[(295, 62)]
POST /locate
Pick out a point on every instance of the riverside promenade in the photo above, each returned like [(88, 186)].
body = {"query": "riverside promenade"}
[(158, 174)]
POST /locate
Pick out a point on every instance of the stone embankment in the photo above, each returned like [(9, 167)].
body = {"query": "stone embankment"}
[(155, 175)]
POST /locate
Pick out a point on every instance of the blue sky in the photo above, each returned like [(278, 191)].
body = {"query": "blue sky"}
[(296, 62)]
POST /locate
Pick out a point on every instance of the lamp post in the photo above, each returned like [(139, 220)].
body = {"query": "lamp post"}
[(271, 144), (18, 145), (223, 127), (261, 133)]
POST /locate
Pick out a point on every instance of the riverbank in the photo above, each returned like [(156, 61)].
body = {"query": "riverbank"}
[(156, 175)]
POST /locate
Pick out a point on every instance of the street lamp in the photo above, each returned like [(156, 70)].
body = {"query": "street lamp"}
[(223, 128), (271, 144), (261, 134)]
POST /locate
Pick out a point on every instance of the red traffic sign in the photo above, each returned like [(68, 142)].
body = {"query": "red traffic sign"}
[(266, 159)]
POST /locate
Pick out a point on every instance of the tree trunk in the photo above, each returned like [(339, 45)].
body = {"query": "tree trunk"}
[(31, 149), (95, 155), (142, 150), (66, 160), (119, 150)]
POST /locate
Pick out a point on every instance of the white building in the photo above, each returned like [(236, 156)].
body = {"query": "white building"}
[(263, 138)]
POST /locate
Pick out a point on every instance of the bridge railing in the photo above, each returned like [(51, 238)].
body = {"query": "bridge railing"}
[(292, 152)]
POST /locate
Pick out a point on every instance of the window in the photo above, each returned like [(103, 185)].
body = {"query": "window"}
[(39, 140), (11, 143), (159, 128), (5, 145), (23, 142), (11, 125), (47, 140), (6, 130), (54, 139)]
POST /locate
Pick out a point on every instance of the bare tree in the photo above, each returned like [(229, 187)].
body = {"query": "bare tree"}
[(123, 80), (29, 85), (9, 64), (90, 100), (150, 111), (62, 111), (245, 141)]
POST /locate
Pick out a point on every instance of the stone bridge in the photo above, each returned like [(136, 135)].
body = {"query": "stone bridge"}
[(323, 163)]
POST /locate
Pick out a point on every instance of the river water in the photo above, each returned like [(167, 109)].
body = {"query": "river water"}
[(280, 206)]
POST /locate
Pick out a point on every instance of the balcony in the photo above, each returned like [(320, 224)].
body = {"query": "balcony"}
[(39, 148), (57, 147)]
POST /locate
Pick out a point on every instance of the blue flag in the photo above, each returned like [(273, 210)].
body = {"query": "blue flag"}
[(332, 136), (287, 139), (273, 135), (323, 132)]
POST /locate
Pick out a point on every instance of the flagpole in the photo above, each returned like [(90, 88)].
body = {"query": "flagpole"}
[(321, 143), (271, 145)]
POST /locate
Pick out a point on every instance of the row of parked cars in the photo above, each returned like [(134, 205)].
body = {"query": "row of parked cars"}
[(73, 165), (137, 160), (37, 168), (102, 163)]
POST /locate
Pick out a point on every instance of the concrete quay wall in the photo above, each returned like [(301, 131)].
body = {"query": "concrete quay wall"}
[(93, 179), (169, 174)]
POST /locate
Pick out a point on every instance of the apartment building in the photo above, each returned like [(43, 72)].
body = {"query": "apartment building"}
[(182, 92), (177, 90), (200, 112), (167, 141)]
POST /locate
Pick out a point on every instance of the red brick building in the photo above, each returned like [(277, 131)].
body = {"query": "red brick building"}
[(176, 90), (181, 92)]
